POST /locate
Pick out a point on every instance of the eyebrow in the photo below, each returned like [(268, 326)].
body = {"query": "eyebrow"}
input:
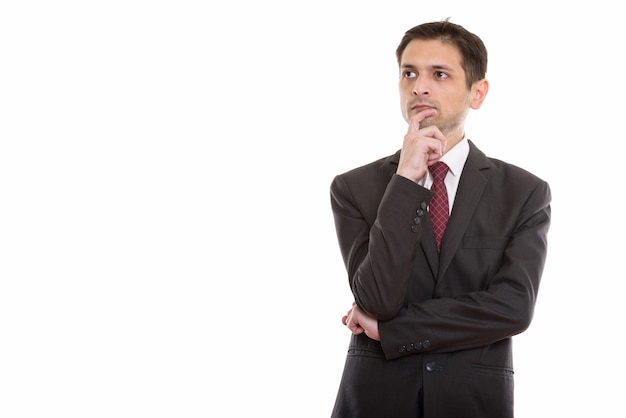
[(432, 67)]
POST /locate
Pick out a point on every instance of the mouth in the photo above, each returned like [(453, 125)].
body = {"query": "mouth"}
[(419, 107)]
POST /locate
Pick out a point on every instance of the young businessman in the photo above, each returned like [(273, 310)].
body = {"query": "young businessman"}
[(433, 317)]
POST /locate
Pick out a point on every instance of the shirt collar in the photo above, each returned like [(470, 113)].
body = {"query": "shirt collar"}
[(455, 157)]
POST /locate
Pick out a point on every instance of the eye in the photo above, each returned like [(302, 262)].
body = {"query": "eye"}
[(409, 74), (441, 75)]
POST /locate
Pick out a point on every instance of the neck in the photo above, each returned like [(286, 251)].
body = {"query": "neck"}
[(453, 139)]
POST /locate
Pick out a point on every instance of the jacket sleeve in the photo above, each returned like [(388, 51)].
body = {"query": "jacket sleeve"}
[(379, 240)]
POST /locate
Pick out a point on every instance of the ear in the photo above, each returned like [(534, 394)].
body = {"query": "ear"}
[(478, 93)]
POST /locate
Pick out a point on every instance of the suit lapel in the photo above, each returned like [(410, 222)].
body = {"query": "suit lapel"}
[(471, 186)]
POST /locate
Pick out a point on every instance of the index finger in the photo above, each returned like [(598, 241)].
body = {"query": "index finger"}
[(416, 119)]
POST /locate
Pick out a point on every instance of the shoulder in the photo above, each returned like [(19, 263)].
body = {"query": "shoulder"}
[(504, 178), (378, 172), (380, 166), (365, 185), (493, 167)]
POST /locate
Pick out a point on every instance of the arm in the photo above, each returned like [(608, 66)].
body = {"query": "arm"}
[(378, 238), (504, 307), (379, 248)]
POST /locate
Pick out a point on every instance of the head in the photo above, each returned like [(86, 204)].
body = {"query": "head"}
[(442, 66), (471, 47)]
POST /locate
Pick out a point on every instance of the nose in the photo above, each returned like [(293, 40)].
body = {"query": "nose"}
[(420, 87)]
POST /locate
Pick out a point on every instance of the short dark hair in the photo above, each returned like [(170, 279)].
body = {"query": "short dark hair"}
[(472, 49)]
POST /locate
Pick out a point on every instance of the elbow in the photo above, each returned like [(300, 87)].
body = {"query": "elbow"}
[(378, 295), (378, 308), (522, 318)]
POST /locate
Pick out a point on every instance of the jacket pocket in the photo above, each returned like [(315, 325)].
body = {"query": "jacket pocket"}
[(365, 352), (492, 370)]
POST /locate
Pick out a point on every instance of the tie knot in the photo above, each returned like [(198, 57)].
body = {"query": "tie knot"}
[(439, 170)]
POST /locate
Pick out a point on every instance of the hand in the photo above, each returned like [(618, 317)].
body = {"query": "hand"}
[(421, 147), (359, 322)]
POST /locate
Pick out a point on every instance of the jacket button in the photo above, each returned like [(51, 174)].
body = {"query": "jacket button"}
[(430, 366), (415, 228), (426, 344), (402, 349)]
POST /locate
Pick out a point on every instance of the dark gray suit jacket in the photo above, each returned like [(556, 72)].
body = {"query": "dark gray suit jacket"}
[(445, 321)]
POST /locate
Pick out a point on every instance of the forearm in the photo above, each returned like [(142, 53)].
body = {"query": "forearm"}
[(379, 257), (452, 324)]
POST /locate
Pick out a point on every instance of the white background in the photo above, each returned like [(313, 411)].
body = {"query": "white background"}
[(167, 247)]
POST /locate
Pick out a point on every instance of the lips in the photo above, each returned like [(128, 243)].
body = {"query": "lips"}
[(419, 108)]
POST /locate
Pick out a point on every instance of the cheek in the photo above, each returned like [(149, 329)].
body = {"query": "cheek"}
[(404, 109), (405, 97)]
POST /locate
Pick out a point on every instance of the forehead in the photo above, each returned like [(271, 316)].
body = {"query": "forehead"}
[(429, 53)]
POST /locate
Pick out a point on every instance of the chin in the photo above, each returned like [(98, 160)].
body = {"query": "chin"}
[(427, 122)]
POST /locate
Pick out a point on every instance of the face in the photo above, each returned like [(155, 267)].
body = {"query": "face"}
[(431, 76)]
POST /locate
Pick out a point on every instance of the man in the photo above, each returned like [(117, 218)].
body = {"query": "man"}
[(432, 328)]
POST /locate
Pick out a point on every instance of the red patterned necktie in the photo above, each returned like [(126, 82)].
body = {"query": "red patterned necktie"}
[(438, 208)]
